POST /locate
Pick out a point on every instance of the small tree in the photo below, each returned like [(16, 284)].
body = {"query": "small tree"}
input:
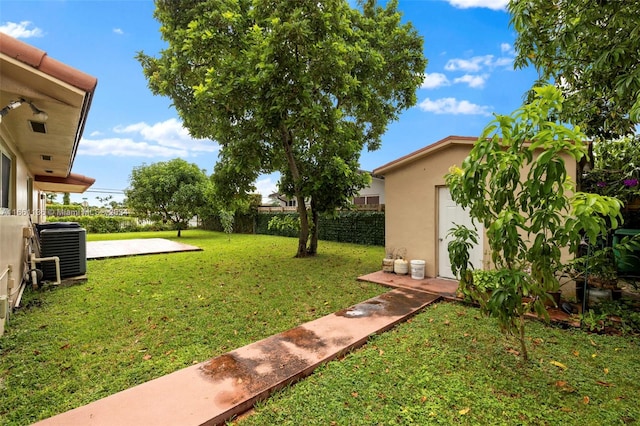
[(66, 199), (169, 191), (227, 219), (528, 215)]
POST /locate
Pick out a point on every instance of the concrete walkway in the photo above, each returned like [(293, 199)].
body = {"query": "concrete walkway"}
[(216, 390)]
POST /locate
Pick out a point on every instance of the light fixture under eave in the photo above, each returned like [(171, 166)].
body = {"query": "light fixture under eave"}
[(38, 114), (12, 105)]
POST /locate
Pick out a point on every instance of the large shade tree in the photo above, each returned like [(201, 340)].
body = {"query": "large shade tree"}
[(591, 50), (172, 191), (296, 87)]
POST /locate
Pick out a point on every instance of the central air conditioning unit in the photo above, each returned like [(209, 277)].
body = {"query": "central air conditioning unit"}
[(66, 240)]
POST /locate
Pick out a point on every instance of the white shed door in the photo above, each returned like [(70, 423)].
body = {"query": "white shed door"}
[(449, 213)]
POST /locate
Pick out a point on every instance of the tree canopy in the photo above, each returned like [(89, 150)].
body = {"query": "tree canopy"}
[(295, 87), (169, 191), (591, 50)]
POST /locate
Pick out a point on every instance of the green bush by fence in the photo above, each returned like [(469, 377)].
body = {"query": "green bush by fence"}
[(365, 228), (243, 224), (101, 224)]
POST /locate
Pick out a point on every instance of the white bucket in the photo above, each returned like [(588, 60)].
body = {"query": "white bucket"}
[(417, 269), (401, 267)]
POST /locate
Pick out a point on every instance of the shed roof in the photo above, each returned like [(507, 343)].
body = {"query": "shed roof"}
[(425, 152)]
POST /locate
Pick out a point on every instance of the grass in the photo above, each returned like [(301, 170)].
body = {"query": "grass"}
[(138, 318), (449, 365), (141, 317)]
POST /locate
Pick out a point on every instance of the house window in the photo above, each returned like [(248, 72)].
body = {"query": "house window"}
[(372, 200), (5, 183)]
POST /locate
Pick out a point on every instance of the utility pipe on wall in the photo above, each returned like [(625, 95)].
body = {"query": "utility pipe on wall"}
[(4, 298), (34, 259)]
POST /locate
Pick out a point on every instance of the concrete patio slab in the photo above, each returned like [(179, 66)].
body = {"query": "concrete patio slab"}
[(442, 286), (135, 247), (216, 390)]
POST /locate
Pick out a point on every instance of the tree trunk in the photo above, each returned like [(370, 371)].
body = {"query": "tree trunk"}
[(523, 343), (287, 143), (304, 226), (179, 229), (313, 243)]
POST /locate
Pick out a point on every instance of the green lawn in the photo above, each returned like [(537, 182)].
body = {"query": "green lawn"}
[(449, 365), (140, 317)]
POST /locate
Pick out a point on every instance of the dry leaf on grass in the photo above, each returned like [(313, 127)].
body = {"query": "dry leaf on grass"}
[(558, 364)]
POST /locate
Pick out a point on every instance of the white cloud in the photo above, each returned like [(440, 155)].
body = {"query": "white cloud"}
[(505, 48), (474, 81), (125, 147), (503, 62), (453, 106), (490, 4), (167, 139), (20, 30), (170, 133), (477, 63), (434, 80), (118, 31), (266, 186)]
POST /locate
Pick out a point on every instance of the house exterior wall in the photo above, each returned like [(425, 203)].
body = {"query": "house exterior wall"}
[(12, 243), (411, 191), (27, 74)]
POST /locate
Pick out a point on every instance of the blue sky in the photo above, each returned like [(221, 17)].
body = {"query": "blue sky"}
[(469, 76)]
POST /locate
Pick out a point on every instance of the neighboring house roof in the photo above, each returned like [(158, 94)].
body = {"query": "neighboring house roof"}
[(64, 93), (424, 152)]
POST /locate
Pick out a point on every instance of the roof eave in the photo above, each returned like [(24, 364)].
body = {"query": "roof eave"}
[(423, 152)]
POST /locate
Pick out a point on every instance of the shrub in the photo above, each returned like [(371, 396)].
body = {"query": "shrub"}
[(101, 224)]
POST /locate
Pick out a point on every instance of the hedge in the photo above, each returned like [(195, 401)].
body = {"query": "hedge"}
[(101, 224), (243, 224), (365, 228)]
